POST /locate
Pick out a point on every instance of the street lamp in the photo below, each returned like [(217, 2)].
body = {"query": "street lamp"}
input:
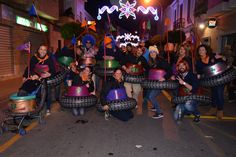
[(147, 1), (202, 25)]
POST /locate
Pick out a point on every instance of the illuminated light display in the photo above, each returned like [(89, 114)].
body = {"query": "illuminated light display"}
[(106, 8), (127, 9), (128, 38)]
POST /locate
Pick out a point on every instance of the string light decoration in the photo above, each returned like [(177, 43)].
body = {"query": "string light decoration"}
[(128, 38), (127, 9)]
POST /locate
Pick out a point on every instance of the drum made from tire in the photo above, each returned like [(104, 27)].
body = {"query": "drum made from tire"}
[(120, 105), (223, 78), (199, 98), (79, 101), (57, 79), (136, 79), (154, 84)]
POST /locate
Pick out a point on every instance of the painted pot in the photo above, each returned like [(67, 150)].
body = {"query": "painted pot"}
[(41, 69), (116, 94), (215, 69), (89, 61), (109, 64), (22, 104), (77, 91), (156, 74), (135, 69), (64, 60)]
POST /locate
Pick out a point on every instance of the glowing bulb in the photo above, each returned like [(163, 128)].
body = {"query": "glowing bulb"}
[(147, 1), (201, 26)]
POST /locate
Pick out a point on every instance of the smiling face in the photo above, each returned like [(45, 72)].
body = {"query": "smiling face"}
[(88, 44), (117, 74), (153, 54), (42, 51), (139, 52), (202, 52)]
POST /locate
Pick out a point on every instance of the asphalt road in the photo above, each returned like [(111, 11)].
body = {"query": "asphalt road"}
[(64, 135)]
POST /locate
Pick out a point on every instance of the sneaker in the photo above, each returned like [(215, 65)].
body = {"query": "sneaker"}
[(158, 115), (196, 118), (75, 112), (107, 115), (81, 111), (48, 113), (153, 109)]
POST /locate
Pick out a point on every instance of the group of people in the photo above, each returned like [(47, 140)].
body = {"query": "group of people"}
[(180, 68)]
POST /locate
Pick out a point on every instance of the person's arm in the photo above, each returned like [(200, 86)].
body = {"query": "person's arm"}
[(106, 88), (90, 86)]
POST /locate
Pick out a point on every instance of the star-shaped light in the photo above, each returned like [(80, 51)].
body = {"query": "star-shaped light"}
[(127, 9)]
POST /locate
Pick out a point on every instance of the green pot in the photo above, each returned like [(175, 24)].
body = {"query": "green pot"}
[(109, 64), (65, 60)]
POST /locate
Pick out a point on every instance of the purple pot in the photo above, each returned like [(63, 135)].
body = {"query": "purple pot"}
[(41, 69), (116, 94), (156, 74), (78, 91), (215, 69)]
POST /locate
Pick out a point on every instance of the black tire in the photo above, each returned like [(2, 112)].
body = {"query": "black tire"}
[(154, 84), (199, 98), (226, 77), (137, 79), (120, 105), (100, 71), (75, 102), (57, 79)]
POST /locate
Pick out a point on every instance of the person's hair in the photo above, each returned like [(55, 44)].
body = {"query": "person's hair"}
[(114, 71), (208, 51), (185, 48), (152, 61), (183, 61)]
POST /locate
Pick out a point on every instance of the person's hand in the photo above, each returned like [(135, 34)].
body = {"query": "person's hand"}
[(87, 85), (181, 81), (105, 107), (162, 79), (46, 75), (172, 77)]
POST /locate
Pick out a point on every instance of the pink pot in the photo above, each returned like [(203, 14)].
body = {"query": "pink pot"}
[(41, 69), (156, 74), (78, 91)]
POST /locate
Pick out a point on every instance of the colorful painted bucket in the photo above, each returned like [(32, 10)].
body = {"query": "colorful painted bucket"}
[(215, 69), (135, 69), (109, 64), (64, 60), (77, 91), (22, 104), (41, 69), (156, 74), (116, 94)]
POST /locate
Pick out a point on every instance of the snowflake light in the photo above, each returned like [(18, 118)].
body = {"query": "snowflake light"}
[(127, 9), (128, 38)]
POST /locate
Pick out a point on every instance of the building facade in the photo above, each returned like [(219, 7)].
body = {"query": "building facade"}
[(17, 28)]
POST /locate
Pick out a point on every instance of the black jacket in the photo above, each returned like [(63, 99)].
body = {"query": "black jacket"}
[(77, 81)]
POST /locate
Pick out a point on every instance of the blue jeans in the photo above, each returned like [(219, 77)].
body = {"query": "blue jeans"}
[(151, 95), (189, 107), (218, 97)]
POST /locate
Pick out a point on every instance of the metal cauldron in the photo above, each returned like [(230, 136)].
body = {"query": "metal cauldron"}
[(109, 64), (41, 69), (215, 69), (22, 104), (116, 94), (77, 91), (156, 74), (64, 60), (135, 69)]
